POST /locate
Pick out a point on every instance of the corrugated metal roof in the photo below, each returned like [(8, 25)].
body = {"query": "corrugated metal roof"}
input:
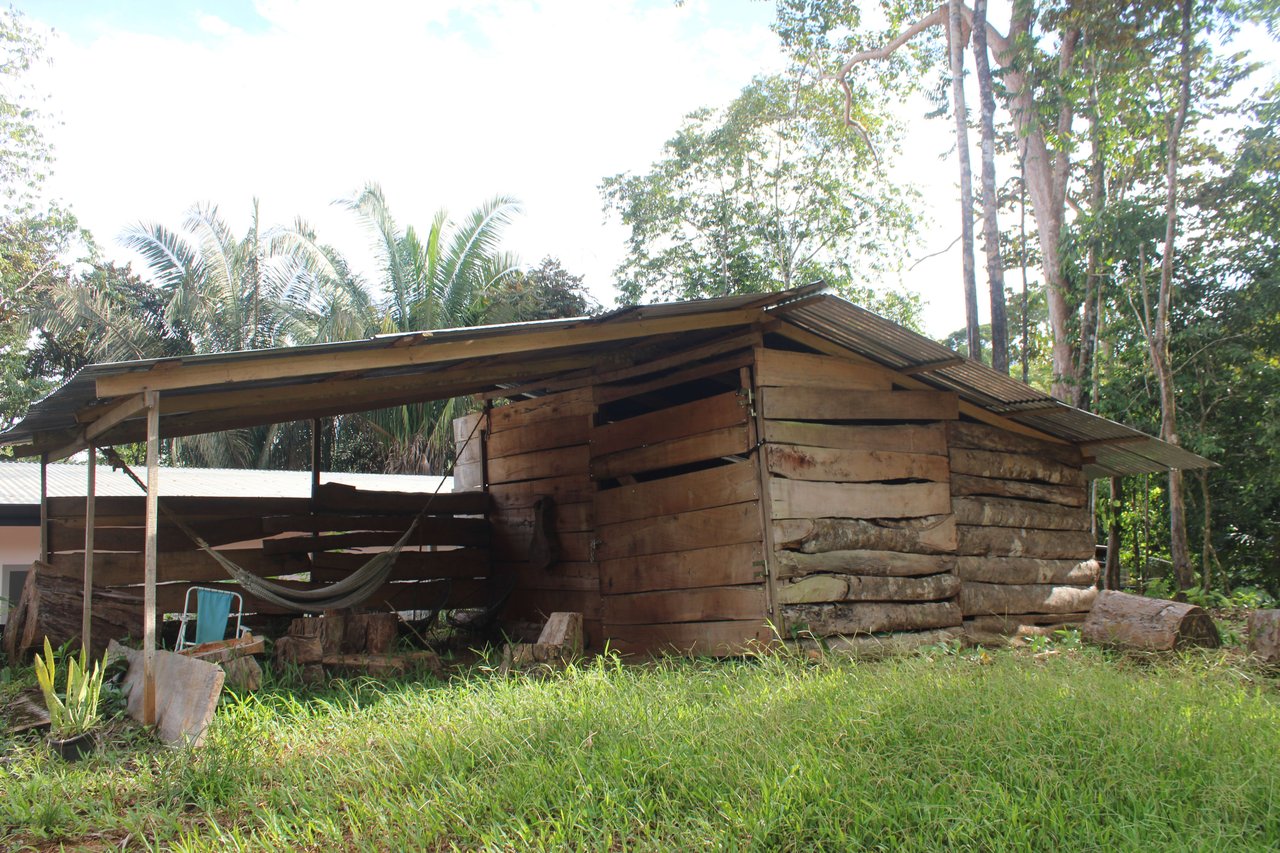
[(20, 482), (808, 308)]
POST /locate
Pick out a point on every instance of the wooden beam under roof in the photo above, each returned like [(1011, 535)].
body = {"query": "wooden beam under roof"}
[(172, 375)]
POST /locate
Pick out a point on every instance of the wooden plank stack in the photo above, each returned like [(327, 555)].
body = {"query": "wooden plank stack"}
[(680, 527), (1024, 547), (538, 449), (861, 508), (283, 539)]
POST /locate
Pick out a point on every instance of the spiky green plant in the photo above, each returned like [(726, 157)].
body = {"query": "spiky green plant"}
[(75, 711)]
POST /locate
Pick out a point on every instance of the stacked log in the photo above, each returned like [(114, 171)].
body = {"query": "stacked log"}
[(860, 502), (536, 455), (1023, 541)]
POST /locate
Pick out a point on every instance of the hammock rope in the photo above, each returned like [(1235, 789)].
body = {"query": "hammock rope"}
[(354, 589)]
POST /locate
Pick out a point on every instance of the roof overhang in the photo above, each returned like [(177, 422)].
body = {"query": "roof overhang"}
[(103, 404)]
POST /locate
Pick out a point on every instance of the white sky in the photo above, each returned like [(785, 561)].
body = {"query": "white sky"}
[(445, 103)]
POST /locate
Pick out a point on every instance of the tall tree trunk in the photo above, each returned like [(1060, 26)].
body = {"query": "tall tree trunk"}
[(990, 202), (1111, 577), (1022, 262), (955, 37), (1179, 549), (1206, 538)]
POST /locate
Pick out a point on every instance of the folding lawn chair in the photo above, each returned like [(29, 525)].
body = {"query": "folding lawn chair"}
[(212, 613)]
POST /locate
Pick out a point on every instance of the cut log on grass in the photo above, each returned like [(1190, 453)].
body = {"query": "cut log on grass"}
[(978, 599), (827, 587), (1027, 570), (1023, 542), (876, 646), (930, 535), (794, 564), (824, 620), (1264, 635), (52, 606), (298, 650), (1151, 624)]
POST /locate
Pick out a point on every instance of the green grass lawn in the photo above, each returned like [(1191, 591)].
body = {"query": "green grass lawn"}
[(1066, 750)]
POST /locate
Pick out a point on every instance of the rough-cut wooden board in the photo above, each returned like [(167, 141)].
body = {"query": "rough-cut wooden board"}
[(725, 367), (931, 535), (853, 466), (678, 451), (541, 603), (107, 506), (430, 531), (708, 604), (540, 435), (782, 368), (1018, 542), (573, 488), (963, 484), (704, 528), (566, 517), (334, 523), (550, 407), (544, 580), (1013, 466), (187, 693), (725, 565), (343, 498), (903, 438), (1027, 570), (870, 617), (977, 436), (805, 499), (700, 416), (467, 476), (64, 537), (876, 646), (410, 564), (1153, 624), (794, 564), (1006, 512), (817, 404), (715, 639), (514, 545), (982, 598), (541, 464), (468, 438), (725, 484), (116, 569), (840, 587)]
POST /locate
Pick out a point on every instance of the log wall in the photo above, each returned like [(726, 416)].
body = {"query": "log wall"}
[(536, 449), (283, 539), (859, 498), (1024, 547)]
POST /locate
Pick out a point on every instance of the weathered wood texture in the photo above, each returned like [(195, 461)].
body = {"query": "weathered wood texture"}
[(725, 565), (720, 486), (831, 465), (1020, 570), (1020, 542), (1264, 635), (976, 436), (1150, 624), (1004, 512), (875, 646), (802, 499), (1071, 496), (870, 617), (50, 606), (846, 587), (931, 535), (928, 439), (1003, 598), (715, 639), (779, 368), (821, 404), (700, 416), (796, 564)]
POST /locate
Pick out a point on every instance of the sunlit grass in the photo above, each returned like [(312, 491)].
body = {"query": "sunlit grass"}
[(1067, 750)]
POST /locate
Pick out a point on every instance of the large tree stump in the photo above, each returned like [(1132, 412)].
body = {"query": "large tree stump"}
[(1264, 635), (51, 606), (1152, 624)]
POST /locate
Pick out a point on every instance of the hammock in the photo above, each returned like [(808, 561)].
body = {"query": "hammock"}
[(348, 592)]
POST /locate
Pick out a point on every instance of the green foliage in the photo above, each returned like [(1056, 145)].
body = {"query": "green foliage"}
[(74, 709), (773, 191), (24, 152), (545, 292), (1064, 749)]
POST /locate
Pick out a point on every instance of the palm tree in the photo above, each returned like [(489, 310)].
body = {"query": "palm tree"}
[(432, 282)]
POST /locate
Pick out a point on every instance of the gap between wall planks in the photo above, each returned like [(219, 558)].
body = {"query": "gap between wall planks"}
[(735, 482), (700, 416)]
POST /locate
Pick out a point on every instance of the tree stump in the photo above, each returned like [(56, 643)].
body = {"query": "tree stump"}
[(1264, 635), (1151, 624)]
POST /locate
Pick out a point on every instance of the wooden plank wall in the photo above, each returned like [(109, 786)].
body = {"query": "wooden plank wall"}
[(1025, 550), (679, 528), (859, 497), (281, 538), (536, 448)]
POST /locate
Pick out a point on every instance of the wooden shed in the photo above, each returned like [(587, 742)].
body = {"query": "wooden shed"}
[(701, 476)]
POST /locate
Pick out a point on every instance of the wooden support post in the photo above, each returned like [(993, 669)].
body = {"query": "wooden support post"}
[(151, 528), (90, 508), (44, 507), (315, 457), (772, 610)]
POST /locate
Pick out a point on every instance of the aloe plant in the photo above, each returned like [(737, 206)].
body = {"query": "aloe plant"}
[(77, 713)]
